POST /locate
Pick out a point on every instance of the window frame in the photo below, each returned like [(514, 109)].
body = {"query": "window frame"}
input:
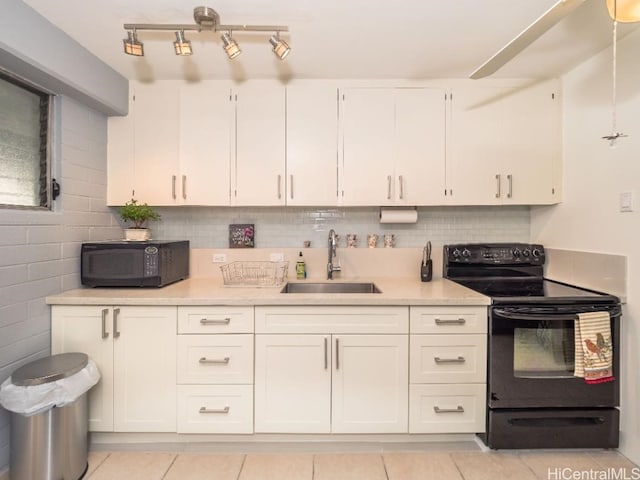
[(46, 175)]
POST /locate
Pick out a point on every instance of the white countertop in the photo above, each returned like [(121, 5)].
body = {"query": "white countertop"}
[(211, 291)]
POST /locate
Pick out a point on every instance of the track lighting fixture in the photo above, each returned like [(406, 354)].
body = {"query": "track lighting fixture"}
[(132, 46), (230, 46), (280, 47), (182, 46), (206, 19)]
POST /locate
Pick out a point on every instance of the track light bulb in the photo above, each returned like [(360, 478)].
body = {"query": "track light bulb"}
[(230, 46), (182, 46), (280, 47), (133, 46)]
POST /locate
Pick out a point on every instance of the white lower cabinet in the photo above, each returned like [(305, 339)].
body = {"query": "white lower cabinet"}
[(331, 382), (215, 369), (447, 391), (136, 392)]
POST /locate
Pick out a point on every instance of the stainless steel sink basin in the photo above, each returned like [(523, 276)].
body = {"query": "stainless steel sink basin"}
[(331, 287)]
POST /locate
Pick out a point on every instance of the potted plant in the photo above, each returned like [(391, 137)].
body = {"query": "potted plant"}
[(138, 214)]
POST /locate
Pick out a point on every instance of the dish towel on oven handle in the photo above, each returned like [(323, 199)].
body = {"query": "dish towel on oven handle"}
[(593, 347)]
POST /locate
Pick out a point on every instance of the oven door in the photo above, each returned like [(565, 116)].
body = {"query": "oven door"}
[(531, 358)]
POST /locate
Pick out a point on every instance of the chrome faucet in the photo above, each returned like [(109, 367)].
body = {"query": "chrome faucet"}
[(333, 243)]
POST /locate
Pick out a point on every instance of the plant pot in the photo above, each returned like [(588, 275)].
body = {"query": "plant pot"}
[(136, 234)]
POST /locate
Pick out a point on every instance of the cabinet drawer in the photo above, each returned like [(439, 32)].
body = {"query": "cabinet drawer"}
[(327, 320), (222, 359), (449, 319), (448, 358), (215, 409), (447, 408), (215, 319)]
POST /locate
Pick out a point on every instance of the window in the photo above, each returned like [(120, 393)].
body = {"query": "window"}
[(24, 145)]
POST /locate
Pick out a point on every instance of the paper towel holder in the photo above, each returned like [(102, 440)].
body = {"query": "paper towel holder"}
[(398, 214)]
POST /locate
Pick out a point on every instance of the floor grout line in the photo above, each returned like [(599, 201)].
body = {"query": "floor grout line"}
[(175, 457)]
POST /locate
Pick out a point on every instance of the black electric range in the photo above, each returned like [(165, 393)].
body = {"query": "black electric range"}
[(534, 399)]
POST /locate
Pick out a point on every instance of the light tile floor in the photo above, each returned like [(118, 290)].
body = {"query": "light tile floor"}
[(400, 465)]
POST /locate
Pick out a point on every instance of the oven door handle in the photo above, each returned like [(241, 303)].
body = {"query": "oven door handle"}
[(540, 316)]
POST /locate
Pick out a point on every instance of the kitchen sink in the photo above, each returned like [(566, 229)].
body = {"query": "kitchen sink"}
[(331, 287)]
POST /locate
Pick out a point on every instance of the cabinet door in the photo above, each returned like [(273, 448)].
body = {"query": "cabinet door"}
[(80, 329), (370, 384), (260, 144), (292, 383), (420, 136), (535, 145), (505, 144), (145, 369), (367, 123), (206, 121), (312, 145), (156, 127)]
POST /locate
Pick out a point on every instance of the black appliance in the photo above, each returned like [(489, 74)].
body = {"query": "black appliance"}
[(533, 398), (134, 264)]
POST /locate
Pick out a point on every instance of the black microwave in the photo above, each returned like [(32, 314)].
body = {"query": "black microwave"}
[(134, 264)]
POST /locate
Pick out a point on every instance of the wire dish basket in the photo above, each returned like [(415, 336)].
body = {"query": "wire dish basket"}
[(251, 274)]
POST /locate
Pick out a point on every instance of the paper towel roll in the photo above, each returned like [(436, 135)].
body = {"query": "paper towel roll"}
[(395, 215)]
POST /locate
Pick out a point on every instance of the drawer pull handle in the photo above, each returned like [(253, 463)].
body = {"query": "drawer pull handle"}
[(458, 409), (208, 321), (454, 321), (214, 410), (216, 361), (449, 360)]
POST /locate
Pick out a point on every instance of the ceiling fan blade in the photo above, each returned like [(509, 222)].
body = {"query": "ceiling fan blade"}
[(547, 20)]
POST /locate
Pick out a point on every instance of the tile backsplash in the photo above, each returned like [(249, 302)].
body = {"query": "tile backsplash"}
[(208, 227)]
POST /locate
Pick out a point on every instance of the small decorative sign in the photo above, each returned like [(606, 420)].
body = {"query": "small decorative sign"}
[(242, 235)]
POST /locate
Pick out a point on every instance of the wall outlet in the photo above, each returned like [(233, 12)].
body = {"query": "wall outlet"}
[(276, 257), (219, 257)]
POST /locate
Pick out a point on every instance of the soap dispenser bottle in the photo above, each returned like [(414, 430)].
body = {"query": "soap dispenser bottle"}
[(301, 268)]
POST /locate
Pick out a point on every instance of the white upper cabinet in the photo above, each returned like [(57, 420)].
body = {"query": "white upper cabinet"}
[(312, 145), (505, 145), (259, 175), (393, 146), (206, 133), (156, 142)]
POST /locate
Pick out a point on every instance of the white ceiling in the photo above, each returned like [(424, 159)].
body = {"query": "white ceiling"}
[(409, 39)]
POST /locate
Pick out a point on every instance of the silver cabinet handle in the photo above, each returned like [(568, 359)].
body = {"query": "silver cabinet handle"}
[(184, 187), (215, 361), (388, 187), (497, 185), (401, 184), (173, 187), (510, 180), (214, 410), (291, 185), (449, 360), (458, 409), (454, 321), (116, 312), (279, 186), (326, 353), (337, 354), (105, 312), (215, 321)]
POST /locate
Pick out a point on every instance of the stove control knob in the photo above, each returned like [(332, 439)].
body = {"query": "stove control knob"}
[(466, 253), (456, 253), (536, 252), (516, 253), (526, 252)]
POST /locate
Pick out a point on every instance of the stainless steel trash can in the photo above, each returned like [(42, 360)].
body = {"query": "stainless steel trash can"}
[(51, 445)]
